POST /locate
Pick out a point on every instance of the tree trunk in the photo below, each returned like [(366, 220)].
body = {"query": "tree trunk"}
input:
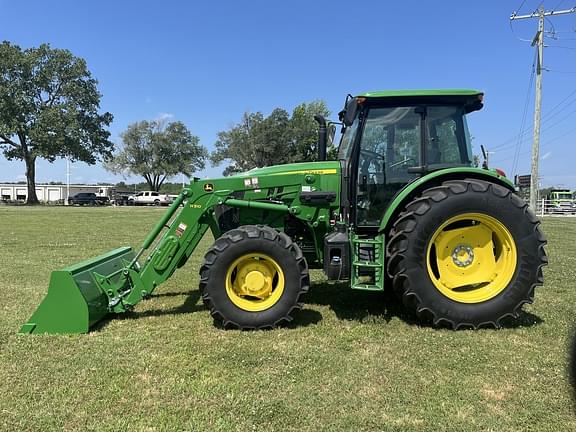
[(31, 179), (149, 181)]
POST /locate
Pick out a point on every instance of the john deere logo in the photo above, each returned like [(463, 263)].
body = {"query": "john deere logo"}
[(208, 187)]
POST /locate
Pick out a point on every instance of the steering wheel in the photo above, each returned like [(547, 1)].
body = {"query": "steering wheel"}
[(368, 159)]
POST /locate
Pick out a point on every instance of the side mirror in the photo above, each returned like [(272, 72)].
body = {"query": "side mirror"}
[(331, 133), (348, 114)]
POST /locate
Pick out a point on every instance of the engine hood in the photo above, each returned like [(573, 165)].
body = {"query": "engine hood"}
[(324, 167)]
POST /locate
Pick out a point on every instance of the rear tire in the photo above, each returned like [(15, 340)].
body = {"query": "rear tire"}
[(253, 277), (466, 254)]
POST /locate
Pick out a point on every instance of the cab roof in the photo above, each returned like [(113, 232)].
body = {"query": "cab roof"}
[(471, 99), (422, 93)]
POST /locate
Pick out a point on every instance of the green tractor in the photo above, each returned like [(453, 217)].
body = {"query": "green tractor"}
[(402, 207)]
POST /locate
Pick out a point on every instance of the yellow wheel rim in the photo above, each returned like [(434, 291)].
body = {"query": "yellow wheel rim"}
[(254, 282), (471, 258)]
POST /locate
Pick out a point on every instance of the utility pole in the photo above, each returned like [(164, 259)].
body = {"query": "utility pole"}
[(538, 41), (67, 180)]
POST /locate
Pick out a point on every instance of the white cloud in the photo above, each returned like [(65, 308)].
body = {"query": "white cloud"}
[(163, 117), (546, 156)]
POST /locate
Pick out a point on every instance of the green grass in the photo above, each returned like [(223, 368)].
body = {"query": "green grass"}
[(352, 361)]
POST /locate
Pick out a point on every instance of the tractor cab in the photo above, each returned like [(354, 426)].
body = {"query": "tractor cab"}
[(392, 138)]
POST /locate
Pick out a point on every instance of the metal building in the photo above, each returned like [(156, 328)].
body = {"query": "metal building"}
[(49, 193)]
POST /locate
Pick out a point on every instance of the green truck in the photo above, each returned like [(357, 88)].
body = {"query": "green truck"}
[(402, 208), (561, 201)]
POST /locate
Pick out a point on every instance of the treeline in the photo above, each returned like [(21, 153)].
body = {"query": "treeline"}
[(50, 109), (258, 141), (157, 150)]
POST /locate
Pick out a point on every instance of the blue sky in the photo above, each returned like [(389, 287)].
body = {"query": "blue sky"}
[(205, 63)]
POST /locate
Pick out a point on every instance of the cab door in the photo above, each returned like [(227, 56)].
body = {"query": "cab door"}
[(389, 146)]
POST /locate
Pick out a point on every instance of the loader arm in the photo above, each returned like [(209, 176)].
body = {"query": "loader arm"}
[(183, 229), (82, 294)]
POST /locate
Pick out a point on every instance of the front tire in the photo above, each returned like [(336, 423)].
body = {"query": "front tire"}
[(466, 254), (253, 277)]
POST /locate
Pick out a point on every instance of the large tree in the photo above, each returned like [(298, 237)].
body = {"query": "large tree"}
[(157, 151), (259, 141), (49, 107), (303, 131)]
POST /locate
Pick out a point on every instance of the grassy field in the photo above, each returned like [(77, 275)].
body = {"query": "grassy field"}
[(352, 361)]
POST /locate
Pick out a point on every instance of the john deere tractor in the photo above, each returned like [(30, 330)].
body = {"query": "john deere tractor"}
[(402, 207)]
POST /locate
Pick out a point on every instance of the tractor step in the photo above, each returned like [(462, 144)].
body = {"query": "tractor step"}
[(365, 264), (368, 262)]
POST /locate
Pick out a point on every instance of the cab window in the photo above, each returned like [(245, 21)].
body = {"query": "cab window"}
[(448, 138), (389, 146)]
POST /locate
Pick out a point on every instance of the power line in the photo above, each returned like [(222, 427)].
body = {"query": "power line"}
[(547, 128), (551, 25), (561, 46), (538, 42), (568, 132), (545, 118), (544, 145), (520, 7), (558, 5), (562, 31), (524, 114), (548, 113), (516, 36)]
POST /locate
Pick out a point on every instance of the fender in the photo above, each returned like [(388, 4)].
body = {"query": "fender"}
[(434, 178)]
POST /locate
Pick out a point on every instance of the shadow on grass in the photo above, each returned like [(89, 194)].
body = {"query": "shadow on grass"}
[(349, 304), (190, 305), (302, 318), (524, 320)]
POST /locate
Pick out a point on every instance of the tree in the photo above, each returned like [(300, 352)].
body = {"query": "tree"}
[(49, 109), (156, 152), (255, 141), (259, 141), (303, 131)]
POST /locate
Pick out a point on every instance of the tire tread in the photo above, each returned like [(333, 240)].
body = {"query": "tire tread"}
[(239, 234), (399, 243)]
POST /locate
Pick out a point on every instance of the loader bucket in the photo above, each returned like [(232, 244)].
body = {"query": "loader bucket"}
[(75, 302)]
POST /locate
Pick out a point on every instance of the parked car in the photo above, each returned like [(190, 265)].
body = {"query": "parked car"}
[(88, 198), (149, 198), (120, 199)]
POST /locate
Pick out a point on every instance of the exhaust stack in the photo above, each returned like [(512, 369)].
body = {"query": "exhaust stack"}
[(321, 137)]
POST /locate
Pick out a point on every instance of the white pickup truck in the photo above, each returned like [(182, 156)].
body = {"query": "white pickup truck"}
[(149, 198)]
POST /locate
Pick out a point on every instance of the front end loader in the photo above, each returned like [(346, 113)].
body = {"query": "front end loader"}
[(402, 208)]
